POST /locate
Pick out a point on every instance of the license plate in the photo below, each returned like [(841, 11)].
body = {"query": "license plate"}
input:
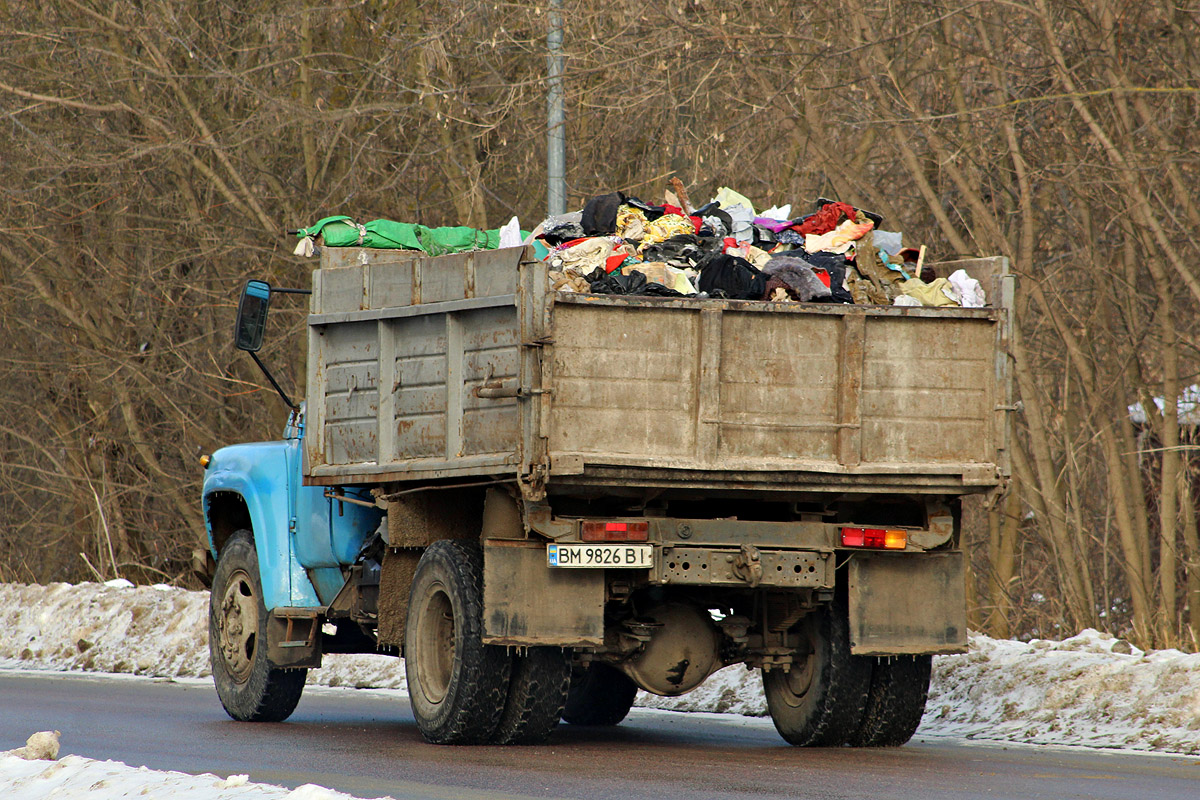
[(637, 556)]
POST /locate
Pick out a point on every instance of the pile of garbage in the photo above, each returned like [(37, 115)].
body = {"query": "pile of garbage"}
[(725, 249), (619, 244)]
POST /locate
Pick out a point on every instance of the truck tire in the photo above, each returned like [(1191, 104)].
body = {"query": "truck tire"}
[(820, 701), (537, 693), (250, 688), (457, 685), (896, 701), (599, 695)]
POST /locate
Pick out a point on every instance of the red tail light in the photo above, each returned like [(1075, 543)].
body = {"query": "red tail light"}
[(591, 531), (877, 538)]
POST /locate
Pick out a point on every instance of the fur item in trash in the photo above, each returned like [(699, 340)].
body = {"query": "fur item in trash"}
[(796, 273)]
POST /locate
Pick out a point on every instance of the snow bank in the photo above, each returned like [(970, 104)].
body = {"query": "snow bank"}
[(1090, 689), (159, 631), (77, 777), (113, 627)]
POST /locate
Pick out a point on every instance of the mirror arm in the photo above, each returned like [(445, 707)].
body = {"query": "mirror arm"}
[(271, 378), (290, 291)]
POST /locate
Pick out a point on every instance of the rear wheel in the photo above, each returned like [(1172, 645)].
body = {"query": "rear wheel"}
[(537, 693), (896, 702), (250, 689), (820, 701), (599, 695), (456, 684)]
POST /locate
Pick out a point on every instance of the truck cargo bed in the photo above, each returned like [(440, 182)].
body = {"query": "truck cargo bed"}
[(427, 368)]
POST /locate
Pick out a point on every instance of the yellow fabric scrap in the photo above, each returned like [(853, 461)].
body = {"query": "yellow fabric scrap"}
[(939, 293), (758, 257), (728, 198), (631, 223), (658, 272), (664, 228)]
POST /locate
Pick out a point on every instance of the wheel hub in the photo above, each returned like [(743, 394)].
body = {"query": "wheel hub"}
[(798, 680), (237, 626), (436, 662)]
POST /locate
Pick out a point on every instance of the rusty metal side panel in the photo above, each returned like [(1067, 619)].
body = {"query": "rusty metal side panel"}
[(525, 602), (625, 380), (392, 283), (928, 391), (907, 604), (351, 392), (340, 290), (778, 389), (419, 388), (490, 356), (398, 343)]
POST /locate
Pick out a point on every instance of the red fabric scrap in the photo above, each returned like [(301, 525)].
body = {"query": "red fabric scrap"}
[(826, 219), (614, 262)]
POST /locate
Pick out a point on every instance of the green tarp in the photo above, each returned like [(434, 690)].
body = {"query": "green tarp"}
[(384, 233)]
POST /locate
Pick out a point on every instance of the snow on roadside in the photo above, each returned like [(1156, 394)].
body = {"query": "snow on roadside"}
[(159, 631), (78, 777), (1091, 689)]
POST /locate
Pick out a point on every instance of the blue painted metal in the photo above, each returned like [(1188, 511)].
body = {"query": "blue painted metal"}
[(298, 532), (259, 474), (328, 582)]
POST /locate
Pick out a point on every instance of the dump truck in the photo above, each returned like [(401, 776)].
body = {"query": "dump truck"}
[(546, 501)]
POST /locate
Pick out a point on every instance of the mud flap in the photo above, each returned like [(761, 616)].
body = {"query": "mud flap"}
[(907, 604), (294, 638), (526, 602)]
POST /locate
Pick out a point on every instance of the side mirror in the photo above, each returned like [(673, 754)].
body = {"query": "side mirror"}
[(252, 316)]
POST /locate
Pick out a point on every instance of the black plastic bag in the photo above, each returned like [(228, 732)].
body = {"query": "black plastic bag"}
[(635, 283), (723, 275)]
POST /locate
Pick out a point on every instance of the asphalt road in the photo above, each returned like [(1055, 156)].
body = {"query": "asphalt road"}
[(365, 743)]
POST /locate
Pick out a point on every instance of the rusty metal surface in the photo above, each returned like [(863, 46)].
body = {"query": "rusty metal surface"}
[(399, 342), (853, 391), (708, 566), (427, 368), (527, 603), (907, 603)]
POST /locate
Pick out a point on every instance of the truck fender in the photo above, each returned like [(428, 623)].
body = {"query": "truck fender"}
[(254, 478)]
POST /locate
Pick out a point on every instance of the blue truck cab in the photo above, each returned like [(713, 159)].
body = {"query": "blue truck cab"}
[(283, 554), (304, 536)]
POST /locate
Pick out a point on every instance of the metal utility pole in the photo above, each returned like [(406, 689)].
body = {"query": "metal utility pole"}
[(556, 131)]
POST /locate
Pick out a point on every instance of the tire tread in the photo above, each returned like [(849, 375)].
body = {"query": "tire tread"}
[(842, 683), (270, 694), (537, 693), (601, 695), (479, 688), (896, 701)]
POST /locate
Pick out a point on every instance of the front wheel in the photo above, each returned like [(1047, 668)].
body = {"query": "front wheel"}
[(820, 701), (457, 685), (250, 688)]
